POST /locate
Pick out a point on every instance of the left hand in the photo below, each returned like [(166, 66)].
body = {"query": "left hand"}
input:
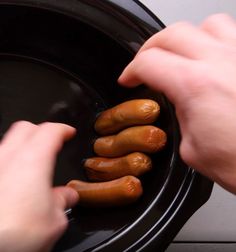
[(31, 211)]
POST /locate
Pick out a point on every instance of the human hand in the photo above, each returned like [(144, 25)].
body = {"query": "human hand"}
[(32, 212), (195, 67)]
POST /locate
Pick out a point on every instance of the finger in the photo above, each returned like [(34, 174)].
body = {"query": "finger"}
[(45, 145), (18, 134), (50, 137), (221, 26), (183, 39), (65, 197), (160, 70)]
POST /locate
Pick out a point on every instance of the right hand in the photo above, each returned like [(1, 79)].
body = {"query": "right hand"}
[(195, 67)]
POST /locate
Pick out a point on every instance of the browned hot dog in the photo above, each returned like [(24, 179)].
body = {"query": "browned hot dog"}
[(130, 113), (147, 139), (117, 192), (105, 169)]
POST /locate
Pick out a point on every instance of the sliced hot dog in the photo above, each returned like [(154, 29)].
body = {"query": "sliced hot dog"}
[(105, 169), (130, 113), (117, 192), (147, 139)]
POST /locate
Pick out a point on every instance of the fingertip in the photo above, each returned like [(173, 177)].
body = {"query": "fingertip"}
[(73, 197), (218, 18), (122, 80), (66, 197), (128, 78), (71, 131)]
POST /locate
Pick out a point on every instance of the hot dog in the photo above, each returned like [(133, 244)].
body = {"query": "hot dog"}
[(117, 192), (105, 169), (134, 112), (147, 139)]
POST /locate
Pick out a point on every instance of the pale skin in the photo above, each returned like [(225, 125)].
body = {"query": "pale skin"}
[(195, 67), (32, 212)]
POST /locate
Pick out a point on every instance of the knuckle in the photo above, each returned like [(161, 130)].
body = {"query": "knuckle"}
[(46, 125), (144, 55), (179, 27), (212, 21), (53, 126), (198, 80), (175, 33), (48, 128), (186, 153), (21, 124)]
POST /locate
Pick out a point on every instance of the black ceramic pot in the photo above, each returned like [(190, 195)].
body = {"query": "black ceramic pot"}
[(59, 61)]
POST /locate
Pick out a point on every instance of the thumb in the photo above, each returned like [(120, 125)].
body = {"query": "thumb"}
[(65, 197), (161, 70)]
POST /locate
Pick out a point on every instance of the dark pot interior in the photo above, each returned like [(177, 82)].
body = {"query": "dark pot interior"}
[(54, 67)]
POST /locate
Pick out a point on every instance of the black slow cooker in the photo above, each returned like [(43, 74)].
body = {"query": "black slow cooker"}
[(59, 61)]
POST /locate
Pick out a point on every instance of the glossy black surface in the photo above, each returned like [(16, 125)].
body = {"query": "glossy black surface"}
[(59, 61)]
